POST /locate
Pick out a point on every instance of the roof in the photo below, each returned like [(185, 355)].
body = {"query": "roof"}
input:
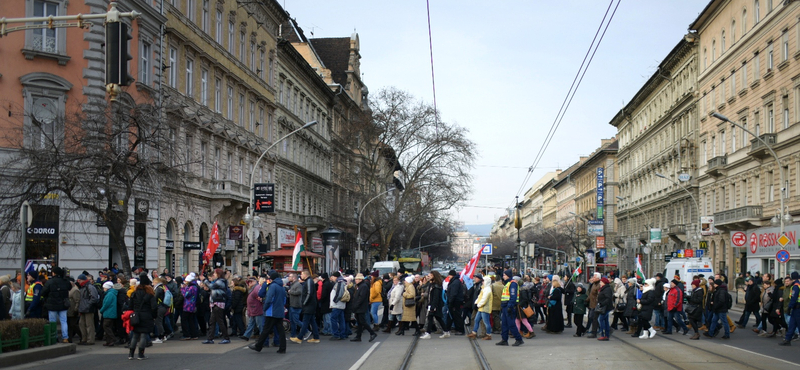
[(335, 53)]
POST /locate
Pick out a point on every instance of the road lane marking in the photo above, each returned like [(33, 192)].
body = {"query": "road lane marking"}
[(364, 357), (763, 355)]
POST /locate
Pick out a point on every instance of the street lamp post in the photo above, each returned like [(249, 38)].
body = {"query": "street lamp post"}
[(249, 216), (358, 239), (784, 217)]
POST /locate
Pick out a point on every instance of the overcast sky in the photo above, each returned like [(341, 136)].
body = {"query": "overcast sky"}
[(503, 69)]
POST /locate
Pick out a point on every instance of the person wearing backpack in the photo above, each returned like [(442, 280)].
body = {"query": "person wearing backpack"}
[(86, 309), (338, 301), (720, 303), (164, 301)]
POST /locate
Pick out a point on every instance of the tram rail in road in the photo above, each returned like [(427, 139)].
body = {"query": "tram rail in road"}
[(483, 364)]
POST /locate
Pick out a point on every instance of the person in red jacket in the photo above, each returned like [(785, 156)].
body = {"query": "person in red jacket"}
[(675, 307)]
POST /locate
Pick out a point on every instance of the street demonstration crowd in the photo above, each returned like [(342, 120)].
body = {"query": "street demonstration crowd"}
[(143, 310)]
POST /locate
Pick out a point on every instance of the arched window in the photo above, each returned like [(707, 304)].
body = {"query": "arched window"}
[(45, 97), (171, 229), (722, 43), (187, 231), (713, 50), (756, 12), (744, 21), (733, 32), (705, 58)]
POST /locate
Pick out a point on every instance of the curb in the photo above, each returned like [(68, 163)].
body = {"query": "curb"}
[(37, 354)]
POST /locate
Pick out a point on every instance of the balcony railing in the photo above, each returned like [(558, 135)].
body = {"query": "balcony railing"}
[(678, 229), (314, 220), (716, 165), (736, 215), (227, 189), (757, 147)]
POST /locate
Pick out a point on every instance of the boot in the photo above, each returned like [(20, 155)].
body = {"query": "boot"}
[(652, 333), (130, 354), (389, 327), (141, 355), (696, 336), (632, 329), (402, 330)]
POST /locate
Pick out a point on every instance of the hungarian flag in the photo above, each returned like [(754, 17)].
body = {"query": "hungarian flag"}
[(213, 244), (577, 272), (299, 247), (639, 272), (469, 270)]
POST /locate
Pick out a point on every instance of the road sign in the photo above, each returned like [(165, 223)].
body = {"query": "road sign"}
[(566, 264), (577, 260), (782, 256), (487, 249), (264, 198), (601, 242), (699, 253), (783, 240), (738, 239), (667, 257)]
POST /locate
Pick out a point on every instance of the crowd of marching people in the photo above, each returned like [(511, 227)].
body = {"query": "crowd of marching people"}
[(151, 308)]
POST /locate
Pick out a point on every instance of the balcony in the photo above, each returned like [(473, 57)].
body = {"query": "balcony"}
[(229, 190), (314, 221), (757, 147), (644, 236), (716, 165), (741, 218), (674, 230)]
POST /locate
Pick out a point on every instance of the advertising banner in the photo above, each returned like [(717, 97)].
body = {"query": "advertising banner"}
[(707, 226), (600, 192), (655, 236)]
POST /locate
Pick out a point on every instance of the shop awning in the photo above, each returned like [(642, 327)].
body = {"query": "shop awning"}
[(288, 253)]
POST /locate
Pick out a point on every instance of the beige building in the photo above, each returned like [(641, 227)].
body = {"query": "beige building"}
[(657, 132), (749, 72)]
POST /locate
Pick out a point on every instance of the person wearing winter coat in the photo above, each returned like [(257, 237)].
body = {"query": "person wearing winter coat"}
[(719, 305), (694, 308), (109, 313), (238, 303), (395, 304), (484, 304), (219, 292), (674, 307), (255, 310), (361, 307), (630, 306), (143, 303), (580, 304), (338, 306), (189, 325), (435, 304), (620, 299), (605, 305), (323, 294), (752, 303), (55, 294), (308, 298), (273, 295), (409, 315), (647, 304), (375, 299), (86, 309), (455, 297)]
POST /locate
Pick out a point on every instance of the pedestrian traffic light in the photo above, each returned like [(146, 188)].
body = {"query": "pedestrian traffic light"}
[(117, 55)]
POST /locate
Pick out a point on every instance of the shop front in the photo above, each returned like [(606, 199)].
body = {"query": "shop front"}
[(763, 244)]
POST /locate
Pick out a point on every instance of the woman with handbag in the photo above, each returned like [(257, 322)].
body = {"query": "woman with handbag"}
[(646, 304), (605, 304), (435, 304), (579, 309), (523, 309), (555, 312), (630, 306), (144, 306), (409, 305), (694, 308), (620, 304)]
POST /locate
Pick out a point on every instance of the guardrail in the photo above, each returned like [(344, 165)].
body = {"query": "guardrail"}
[(49, 337)]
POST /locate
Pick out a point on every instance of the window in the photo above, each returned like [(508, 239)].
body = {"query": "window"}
[(173, 67), (744, 192), (218, 95), (241, 170), (757, 122), (744, 132), (704, 149), (713, 50), (241, 47), (722, 143), (144, 63), (252, 127), (713, 146), (771, 186), (189, 78), (204, 87), (705, 58), (269, 126), (744, 75), (241, 109), (722, 43), (261, 65), (261, 121), (770, 119), (785, 104), (190, 9), (733, 84), (216, 163), (203, 164), (785, 45), (230, 102), (271, 71), (733, 139), (770, 59), (171, 147), (252, 55), (218, 33), (204, 19), (280, 93), (744, 21), (45, 97), (756, 12), (231, 32), (733, 32), (756, 67), (46, 40), (188, 151), (230, 167)]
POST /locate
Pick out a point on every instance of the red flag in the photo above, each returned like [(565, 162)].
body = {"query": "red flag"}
[(469, 269), (213, 244)]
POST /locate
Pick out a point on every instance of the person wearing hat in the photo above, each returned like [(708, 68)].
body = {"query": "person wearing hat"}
[(605, 304), (793, 310), (219, 297), (144, 305), (508, 310), (409, 315), (483, 303), (55, 294), (361, 307), (646, 305), (752, 300), (455, 297), (86, 309), (694, 307), (675, 307), (719, 306), (375, 298), (579, 308), (109, 313), (273, 296), (33, 295)]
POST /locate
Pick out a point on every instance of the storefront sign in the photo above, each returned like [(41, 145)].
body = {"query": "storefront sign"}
[(169, 245), (763, 242), (235, 232), (600, 192), (192, 245), (601, 242), (285, 236), (316, 245), (707, 226)]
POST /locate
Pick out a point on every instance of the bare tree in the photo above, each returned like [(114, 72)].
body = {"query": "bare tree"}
[(99, 158), (404, 135)]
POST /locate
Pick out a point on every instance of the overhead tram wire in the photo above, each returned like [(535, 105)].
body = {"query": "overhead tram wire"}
[(572, 90), (433, 75)]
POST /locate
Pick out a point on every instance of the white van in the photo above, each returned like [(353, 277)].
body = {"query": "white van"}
[(687, 268), (385, 267)]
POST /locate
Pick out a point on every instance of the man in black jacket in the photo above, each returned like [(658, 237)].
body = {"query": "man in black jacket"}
[(360, 309), (308, 298), (325, 304), (455, 298), (719, 306), (56, 300), (752, 298)]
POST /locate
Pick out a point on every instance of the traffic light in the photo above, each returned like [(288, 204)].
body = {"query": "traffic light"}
[(117, 55)]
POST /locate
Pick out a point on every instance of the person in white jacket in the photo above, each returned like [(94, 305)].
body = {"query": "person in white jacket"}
[(395, 303), (484, 303), (620, 297)]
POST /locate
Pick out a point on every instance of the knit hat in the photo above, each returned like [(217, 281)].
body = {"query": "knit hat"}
[(479, 276), (335, 274), (516, 278), (676, 281), (550, 277), (190, 278), (144, 279), (452, 273), (605, 281), (108, 285), (410, 279), (274, 276), (696, 282), (375, 273), (718, 282), (324, 275), (580, 285), (348, 279), (34, 275), (58, 271), (359, 276), (650, 282), (118, 286), (81, 277), (508, 273), (795, 275)]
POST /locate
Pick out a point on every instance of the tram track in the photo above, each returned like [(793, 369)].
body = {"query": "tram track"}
[(483, 364)]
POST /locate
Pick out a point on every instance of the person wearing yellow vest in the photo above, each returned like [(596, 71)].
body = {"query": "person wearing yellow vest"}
[(508, 310), (33, 301)]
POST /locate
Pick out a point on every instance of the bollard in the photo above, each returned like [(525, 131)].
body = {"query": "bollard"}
[(47, 335), (23, 344)]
